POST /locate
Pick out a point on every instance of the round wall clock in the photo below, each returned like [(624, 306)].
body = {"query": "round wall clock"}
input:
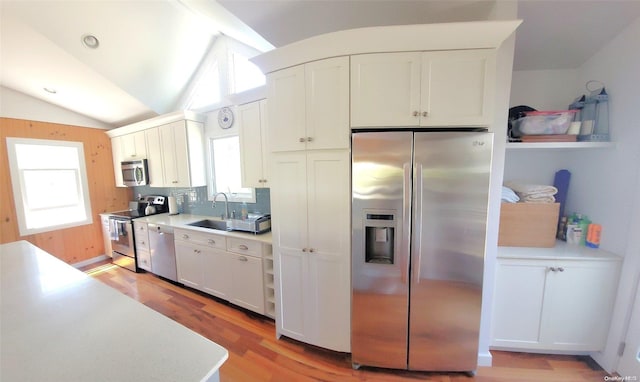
[(225, 118)]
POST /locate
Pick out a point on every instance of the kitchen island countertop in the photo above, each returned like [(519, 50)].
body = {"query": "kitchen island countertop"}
[(59, 324)]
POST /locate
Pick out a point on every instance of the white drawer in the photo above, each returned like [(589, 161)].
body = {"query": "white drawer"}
[(144, 259), (244, 247), (140, 227), (196, 237), (142, 242)]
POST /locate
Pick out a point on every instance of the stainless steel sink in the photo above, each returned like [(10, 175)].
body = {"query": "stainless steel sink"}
[(211, 224)]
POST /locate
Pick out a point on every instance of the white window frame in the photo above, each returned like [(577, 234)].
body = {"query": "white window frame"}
[(233, 197), (19, 190)]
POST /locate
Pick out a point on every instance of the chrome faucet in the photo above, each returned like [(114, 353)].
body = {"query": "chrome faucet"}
[(226, 204)]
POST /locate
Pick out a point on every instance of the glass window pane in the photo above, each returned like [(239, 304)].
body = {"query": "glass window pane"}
[(207, 91), (245, 74), (51, 188), (227, 169)]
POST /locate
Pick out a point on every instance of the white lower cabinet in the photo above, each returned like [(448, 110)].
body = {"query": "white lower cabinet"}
[(311, 246), (246, 282), (211, 264), (106, 234), (553, 304), (143, 254)]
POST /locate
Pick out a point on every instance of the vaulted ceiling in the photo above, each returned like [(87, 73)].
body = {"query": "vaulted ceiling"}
[(149, 50)]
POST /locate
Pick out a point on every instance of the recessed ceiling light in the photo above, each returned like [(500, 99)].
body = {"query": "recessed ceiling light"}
[(90, 41), (50, 90)]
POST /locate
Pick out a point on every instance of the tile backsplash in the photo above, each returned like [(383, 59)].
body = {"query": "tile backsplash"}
[(194, 200)]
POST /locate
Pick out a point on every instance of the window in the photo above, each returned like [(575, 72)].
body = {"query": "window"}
[(243, 74), (49, 182), (226, 176), (207, 89)]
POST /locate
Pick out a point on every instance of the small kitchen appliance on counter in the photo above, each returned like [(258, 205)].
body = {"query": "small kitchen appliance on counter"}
[(121, 228), (254, 223)]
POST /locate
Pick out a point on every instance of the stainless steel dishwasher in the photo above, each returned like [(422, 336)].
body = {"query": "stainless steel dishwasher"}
[(163, 251)]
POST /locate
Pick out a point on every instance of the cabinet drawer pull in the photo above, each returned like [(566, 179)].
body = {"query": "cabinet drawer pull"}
[(185, 236), (212, 242), (175, 181), (243, 247), (242, 258)]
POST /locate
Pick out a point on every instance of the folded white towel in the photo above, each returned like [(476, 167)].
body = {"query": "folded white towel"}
[(509, 196), (538, 199), (531, 189)]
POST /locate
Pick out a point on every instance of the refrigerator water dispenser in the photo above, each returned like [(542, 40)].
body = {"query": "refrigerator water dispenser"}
[(379, 238)]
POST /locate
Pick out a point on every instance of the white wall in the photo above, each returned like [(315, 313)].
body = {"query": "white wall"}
[(18, 105), (604, 182), (616, 188)]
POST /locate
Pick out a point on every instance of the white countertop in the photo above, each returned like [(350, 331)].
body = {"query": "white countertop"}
[(181, 221), (59, 324), (561, 251)]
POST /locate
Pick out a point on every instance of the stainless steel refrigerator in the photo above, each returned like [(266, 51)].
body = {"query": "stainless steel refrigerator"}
[(419, 221)]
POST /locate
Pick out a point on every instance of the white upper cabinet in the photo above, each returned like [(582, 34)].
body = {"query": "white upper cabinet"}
[(176, 155), (253, 144), (309, 106), (385, 89), (134, 146), (432, 89), (116, 150), (173, 145)]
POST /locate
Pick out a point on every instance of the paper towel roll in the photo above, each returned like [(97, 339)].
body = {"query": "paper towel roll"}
[(173, 205)]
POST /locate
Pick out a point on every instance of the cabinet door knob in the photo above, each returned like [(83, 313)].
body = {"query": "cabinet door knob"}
[(424, 113), (302, 140), (552, 269), (416, 113), (304, 250), (242, 258), (309, 139), (185, 236), (311, 250), (561, 269)]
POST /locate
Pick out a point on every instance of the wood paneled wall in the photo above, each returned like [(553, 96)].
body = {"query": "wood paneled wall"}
[(75, 244)]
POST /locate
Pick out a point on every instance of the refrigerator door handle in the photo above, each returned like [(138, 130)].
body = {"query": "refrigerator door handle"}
[(416, 251), (406, 221)]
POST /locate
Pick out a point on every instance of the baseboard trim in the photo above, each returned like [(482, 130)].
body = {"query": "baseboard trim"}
[(485, 359), (90, 261)]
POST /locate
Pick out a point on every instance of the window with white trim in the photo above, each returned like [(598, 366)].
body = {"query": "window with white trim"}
[(243, 74), (226, 175), (50, 187)]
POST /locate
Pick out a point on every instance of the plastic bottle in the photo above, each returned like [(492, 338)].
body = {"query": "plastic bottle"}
[(584, 227), (244, 214), (593, 235)]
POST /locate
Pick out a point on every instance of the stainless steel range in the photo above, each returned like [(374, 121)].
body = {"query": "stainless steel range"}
[(121, 228)]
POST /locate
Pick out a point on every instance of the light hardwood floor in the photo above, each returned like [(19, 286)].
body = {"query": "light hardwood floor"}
[(256, 355)]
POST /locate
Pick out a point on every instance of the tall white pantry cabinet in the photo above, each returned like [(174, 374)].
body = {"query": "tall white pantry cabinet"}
[(310, 201)]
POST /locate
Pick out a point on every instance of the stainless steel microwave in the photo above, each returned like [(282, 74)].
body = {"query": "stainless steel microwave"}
[(135, 172)]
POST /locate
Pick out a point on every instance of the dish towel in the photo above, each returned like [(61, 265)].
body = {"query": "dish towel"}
[(113, 229), (509, 196), (533, 193)]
